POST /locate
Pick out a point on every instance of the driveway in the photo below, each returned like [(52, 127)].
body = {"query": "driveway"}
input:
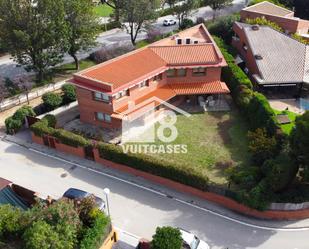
[(138, 207), (9, 68)]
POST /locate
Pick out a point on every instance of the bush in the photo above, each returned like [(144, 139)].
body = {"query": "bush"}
[(51, 120), (14, 123), (69, 93), (246, 177), (69, 138), (186, 23), (223, 27), (9, 220), (166, 238), (264, 22), (189, 176), (261, 146), (52, 100), (96, 234), (41, 128)]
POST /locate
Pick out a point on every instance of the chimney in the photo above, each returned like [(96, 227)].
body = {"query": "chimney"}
[(255, 27)]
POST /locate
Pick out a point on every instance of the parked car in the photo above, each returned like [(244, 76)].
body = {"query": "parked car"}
[(169, 22), (190, 241), (73, 194)]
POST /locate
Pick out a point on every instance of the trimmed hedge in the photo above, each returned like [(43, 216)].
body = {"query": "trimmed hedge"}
[(44, 127), (188, 176), (52, 100), (69, 93), (96, 234), (14, 123), (253, 105)]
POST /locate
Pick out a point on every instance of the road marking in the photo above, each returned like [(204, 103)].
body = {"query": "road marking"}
[(175, 199)]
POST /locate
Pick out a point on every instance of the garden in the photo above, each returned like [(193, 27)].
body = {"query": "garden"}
[(63, 224)]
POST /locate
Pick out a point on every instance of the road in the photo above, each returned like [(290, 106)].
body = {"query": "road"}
[(9, 68), (139, 208)]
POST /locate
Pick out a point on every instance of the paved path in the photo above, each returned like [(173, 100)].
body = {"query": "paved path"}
[(139, 206), (8, 68)]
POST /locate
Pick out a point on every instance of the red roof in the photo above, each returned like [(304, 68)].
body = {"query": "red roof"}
[(187, 54), (214, 87)]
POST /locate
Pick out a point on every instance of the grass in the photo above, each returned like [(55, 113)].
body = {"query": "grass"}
[(287, 128), (215, 142), (142, 43), (103, 10)]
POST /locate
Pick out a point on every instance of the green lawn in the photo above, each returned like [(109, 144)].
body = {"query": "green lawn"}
[(103, 10), (287, 128), (215, 141)]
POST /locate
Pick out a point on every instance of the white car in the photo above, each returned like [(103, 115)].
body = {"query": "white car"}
[(190, 241), (169, 22)]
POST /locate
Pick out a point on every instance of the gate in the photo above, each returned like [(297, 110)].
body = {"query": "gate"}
[(89, 152), (49, 141)]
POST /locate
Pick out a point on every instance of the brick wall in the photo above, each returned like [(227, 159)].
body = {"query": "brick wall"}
[(221, 200)]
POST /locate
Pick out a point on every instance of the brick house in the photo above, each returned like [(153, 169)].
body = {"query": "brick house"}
[(175, 69), (271, 58), (283, 17)]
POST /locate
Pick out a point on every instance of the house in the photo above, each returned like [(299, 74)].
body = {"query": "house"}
[(271, 58), (179, 68), (283, 17)]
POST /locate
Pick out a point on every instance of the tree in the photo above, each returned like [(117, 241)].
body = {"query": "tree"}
[(35, 33), (137, 14), (116, 5), (182, 11), (261, 146), (217, 5), (299, 142), (166, 238), (301, 8), (82, 23)]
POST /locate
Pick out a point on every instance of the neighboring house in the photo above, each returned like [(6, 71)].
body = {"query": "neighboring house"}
[(271, 57), (281, 16), (175, 69)]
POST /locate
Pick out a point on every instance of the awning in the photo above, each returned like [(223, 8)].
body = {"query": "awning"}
[(214, 87)]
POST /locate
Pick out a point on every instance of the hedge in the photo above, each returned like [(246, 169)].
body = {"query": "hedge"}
[(188, 176), (44, 127), (96, 234), (14, 123), (69, 93), (253, 105), (52, 100)]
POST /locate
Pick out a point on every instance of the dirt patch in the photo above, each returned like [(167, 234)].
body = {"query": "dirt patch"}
[(223, 128)]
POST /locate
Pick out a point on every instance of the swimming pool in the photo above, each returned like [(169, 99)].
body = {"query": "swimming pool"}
[(304, 104)]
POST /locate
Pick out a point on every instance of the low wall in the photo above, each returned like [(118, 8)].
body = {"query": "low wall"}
[(218, 199), (36, 139)]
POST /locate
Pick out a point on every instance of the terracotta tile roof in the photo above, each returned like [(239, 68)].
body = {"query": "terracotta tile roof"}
[(214, 87), (163, 93), (187, 54), (127, 68), (269, 8)]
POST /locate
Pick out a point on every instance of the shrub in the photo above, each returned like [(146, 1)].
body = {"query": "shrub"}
[(186, 23), (41, 235), (246, 177), (200, 20), (52, 100), (189, 176), (96, 234), (263, 21), (223, 27), (14, 123), (9, 220), (69, 138), (51, 120), (261, 146), (69, 93), (84, 208), (41, 128), (166, 238)]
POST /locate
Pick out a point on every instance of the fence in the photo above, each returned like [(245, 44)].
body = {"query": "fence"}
[(22, 98)]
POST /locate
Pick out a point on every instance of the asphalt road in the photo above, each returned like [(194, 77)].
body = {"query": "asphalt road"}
[(139, 209), (9, 68)]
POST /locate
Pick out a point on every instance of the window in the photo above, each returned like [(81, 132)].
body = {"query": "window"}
[(158, 77), (143, 84), (200, 71), (101, 96), (179, 41), (122, 94), (171, 73), (103, 117), (188, 41), (181, 72)]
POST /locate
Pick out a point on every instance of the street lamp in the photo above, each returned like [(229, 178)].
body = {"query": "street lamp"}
[(107, 192)]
